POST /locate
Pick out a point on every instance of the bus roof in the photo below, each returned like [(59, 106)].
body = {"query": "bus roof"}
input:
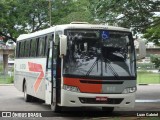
[(70, 26)]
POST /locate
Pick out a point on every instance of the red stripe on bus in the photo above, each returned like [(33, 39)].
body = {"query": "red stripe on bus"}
[(84, 87), (34, 67)]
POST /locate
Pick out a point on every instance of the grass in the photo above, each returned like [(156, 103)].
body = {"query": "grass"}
[(1, 67), (6, 79), (148, 78)]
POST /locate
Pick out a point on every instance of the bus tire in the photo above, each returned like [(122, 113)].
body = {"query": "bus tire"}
[(108, 109), (55, 107), (27, 97)]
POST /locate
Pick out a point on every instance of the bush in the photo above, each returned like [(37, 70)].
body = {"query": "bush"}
[(145, 66), (156, 60)]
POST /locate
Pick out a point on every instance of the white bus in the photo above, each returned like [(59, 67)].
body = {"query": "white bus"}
[(77, 65)]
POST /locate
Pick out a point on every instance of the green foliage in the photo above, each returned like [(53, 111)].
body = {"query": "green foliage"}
[(34, 14), (24, 16), (6, 79), (70, 10), (133, 13), (156, 60), (8, 17), (21, 16), (145, 66), (153, 34), (1, 67), (75, 16)]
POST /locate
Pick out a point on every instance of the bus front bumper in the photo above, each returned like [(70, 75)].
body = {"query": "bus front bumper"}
[(75, 99)]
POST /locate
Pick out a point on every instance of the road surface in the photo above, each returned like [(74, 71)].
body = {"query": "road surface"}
[(147, 99)]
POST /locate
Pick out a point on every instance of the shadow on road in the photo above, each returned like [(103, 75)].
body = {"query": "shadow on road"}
[(78, 111)]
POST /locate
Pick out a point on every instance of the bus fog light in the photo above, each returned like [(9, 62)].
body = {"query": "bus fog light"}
[(129, 90), (71, 88)]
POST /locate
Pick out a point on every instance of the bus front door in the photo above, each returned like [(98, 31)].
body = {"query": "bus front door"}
[(48, 82)]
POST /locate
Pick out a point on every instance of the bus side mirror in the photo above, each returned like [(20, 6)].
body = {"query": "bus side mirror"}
[(63, 45), (141, 50)]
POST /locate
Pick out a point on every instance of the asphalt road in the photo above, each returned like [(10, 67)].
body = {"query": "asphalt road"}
[(147, 99)]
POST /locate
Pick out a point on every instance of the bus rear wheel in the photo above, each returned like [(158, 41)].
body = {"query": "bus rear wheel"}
[(27, 97)]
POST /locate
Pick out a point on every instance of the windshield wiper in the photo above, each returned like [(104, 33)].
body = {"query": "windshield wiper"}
[(112, 69), (91, 68)]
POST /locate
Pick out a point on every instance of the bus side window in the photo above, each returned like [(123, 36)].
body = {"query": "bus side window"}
[(17, 50), (46, 46), (21, 49), (41, 46), (27, 48), (33, 52)]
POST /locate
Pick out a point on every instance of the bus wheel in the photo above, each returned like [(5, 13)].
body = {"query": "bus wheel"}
[(108, 109), (27, 97), (55, 107)]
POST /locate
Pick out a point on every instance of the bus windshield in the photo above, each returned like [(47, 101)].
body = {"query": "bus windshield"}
[(99, 53)]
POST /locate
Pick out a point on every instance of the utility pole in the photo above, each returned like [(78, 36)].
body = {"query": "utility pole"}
[(50, 11), (50, 15)]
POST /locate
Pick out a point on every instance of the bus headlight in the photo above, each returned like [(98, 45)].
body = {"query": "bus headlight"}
[(71, 88), (129, 90)]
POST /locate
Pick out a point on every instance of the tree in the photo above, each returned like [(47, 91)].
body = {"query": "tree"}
[(8, 16), (134, 13), (153, 34), (34, 14), (70, 10), (21, 16)]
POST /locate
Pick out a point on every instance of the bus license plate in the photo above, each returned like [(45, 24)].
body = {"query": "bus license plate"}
[(101, 98)]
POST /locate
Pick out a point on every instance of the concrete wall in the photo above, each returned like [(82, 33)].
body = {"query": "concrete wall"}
[(152, 51)]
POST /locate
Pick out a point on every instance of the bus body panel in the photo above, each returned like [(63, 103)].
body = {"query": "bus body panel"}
[(99, 86), (33, 72), (70, 26), (72, 99), (90, 91)]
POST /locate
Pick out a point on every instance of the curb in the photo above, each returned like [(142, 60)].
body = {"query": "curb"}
[(6, 84), (150, 84), (143, 84)]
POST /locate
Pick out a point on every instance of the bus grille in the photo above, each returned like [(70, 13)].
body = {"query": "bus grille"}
[(93, 101)]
